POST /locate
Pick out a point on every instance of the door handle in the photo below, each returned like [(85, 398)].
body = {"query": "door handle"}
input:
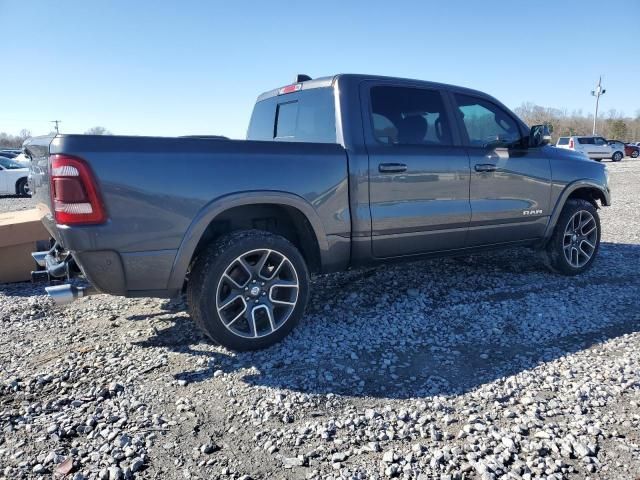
[(392, 168), (485, 167)]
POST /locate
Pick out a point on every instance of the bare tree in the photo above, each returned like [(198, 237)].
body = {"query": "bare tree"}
[(98, 131), (13, 141)]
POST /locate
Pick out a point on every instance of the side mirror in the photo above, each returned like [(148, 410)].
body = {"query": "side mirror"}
[(539, 135)]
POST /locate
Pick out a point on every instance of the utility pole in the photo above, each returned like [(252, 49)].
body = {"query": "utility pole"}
[(57, 122), (596, 93)]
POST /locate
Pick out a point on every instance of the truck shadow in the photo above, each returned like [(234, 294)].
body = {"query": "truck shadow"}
[(438, 327)]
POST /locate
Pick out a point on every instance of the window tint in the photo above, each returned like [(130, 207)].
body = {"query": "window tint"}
[(563, 141), (262, 125), (600, 141), (487, 124), (304, 116), (409, 116), (286, 119), (586, 141), (9, 164)]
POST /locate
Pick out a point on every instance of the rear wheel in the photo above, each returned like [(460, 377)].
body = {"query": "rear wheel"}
[(634, 154), (576, 239), (22, 188), (617, 156), (248, 290)]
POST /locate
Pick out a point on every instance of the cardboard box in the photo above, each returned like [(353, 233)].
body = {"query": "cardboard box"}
[(20, 233)]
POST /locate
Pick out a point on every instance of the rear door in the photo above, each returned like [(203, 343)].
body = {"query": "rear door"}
[(418, 171), (589, 147), (510, 184)]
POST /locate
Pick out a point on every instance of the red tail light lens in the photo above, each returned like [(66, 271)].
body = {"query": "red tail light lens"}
[(571, 143), (74, 195)]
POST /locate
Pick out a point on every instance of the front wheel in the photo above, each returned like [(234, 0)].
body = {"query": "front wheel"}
[(617, 156), (576, 239), (248, 290), (634, 154)]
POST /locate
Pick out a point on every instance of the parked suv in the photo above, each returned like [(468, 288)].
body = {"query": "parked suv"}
[(593, 147)]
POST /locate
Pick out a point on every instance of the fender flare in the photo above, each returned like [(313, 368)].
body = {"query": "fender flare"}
[(568, 190), (221, 204)]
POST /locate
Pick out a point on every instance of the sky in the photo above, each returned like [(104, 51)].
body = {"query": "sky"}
[(196, 67)]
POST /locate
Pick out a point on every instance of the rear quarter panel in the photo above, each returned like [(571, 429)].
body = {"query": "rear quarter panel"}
[(153, 189)]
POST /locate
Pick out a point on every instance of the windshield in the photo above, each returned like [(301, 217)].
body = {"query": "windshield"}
[(10, 164)]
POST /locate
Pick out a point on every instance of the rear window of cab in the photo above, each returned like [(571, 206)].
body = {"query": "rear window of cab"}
[(304, 116)]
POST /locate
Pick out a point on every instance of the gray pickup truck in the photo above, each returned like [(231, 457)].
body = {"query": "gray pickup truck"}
[(336, 172)]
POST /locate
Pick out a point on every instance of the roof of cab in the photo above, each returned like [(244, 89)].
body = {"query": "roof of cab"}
[(329, 81)]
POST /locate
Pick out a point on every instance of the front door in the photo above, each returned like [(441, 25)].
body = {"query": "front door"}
[(510, 183), (419, 178)]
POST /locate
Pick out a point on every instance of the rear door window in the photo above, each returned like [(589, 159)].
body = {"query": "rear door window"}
[(409, 116), (586, 141)]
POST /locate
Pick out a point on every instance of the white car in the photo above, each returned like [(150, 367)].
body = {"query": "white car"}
[(13, 178), (593, 147), (23, 160)]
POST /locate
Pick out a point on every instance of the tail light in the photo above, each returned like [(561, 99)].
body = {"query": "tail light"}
[(571, 143), (74, 195)]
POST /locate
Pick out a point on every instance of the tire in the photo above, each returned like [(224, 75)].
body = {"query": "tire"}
[(245, 309), (581, 243), (617, 156), (634, 154), (22, 188)]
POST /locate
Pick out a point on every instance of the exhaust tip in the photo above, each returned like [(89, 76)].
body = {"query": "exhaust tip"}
[(65, 294)]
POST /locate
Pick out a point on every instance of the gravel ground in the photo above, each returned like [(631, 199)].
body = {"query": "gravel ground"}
[(484, 366), (10, 203)]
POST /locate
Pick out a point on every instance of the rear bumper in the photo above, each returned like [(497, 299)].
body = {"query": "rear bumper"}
[(129, 274)]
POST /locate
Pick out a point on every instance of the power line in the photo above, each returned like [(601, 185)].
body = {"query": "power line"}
[(57, 122)]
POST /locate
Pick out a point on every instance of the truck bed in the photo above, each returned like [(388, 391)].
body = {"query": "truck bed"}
[(156, 189)]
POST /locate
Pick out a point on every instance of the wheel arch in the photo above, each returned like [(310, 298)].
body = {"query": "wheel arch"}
[(583, 189), (299, 222)]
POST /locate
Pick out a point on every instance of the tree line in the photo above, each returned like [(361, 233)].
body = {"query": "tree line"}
[(612, 125), (15, 141)]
